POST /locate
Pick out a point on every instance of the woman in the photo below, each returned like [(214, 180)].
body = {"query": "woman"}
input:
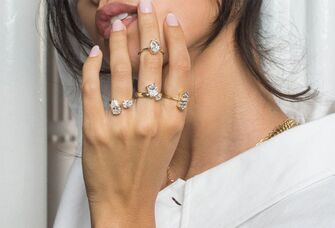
[(146, 163)]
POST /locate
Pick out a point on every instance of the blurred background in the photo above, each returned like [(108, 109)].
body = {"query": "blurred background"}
[(38, 134)]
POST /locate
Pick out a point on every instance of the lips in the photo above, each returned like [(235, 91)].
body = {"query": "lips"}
[(106, 13)]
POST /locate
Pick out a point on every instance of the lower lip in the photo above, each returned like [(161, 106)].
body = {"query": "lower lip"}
[(127, 22)]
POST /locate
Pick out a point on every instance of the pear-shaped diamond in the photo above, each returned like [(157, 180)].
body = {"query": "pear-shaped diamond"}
[(154, 46), (115, 107)]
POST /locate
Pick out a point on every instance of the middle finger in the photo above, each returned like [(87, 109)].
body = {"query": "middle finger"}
[(150, 69)]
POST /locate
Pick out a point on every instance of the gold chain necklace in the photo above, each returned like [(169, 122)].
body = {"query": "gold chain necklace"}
[(287, 124)]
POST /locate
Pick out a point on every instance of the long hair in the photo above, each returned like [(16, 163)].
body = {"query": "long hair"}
[(62, 27)]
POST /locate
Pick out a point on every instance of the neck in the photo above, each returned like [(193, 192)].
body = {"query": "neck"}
[(228, 111)]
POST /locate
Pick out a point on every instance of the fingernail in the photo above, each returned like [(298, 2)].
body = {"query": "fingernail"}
[(117, 25), (145, 6), (172, 20), (94, 51)]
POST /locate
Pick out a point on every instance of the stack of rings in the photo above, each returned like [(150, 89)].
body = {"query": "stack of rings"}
[(151, 89)]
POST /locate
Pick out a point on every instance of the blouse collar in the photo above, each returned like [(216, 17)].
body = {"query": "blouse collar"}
[(232, 192)]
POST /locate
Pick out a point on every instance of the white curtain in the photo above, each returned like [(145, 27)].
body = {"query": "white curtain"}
[(23, 120), (307, 26)]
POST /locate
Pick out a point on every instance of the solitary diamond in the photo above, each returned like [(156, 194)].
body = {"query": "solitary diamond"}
[(152, 90), (116, 108), (127, 103), (154, 46)]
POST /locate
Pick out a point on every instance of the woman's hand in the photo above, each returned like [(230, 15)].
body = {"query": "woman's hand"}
[(125, 157)]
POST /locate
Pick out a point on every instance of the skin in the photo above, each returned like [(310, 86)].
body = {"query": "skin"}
[(226, 104), (195, 31)]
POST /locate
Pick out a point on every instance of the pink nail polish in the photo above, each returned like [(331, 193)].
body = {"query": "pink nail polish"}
[(145, 6), (117, 25), (171, 20), (94, 51)]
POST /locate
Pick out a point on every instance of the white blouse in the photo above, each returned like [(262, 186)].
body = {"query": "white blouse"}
[(287, 181)]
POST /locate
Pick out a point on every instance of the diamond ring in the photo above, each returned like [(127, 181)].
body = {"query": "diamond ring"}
[(116, 107), (151, 92), (182, 100), (154, 48)]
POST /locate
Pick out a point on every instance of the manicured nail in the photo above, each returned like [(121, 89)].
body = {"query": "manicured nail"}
[(117, 25), (94, 51), (172, 20), (145, 6)]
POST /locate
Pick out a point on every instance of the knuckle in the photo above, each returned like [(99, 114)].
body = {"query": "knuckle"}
[(121, 69), (151, 61), (176, 36), (146, 129), (118, 39), (148, 23), (121, 133), (88, 88), (184, 64), (96, 137)]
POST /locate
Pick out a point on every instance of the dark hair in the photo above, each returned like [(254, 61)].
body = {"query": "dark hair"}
[(62, 25)]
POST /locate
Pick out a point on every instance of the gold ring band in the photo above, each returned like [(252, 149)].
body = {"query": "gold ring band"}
[(154, 48), (182, 100), (149, 49), (172, 98), (144, 94)]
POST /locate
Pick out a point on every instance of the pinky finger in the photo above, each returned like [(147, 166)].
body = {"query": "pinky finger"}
[(91, 96)]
